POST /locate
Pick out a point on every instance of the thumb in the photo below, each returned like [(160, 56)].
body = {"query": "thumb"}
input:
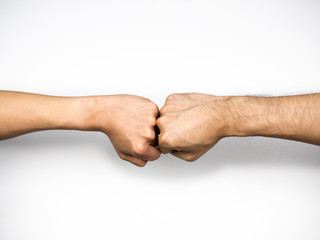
[(164, 143)]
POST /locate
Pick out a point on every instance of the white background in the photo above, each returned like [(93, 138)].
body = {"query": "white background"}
[(72, 185)]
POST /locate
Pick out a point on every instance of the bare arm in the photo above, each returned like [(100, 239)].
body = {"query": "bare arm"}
[(128, 120), (291, 117), (22, 113), (191, 124)]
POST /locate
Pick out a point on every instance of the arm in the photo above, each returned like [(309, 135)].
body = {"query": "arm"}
[(191, 124), (129, 121)]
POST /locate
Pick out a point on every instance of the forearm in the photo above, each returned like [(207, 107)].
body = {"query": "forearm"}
[(290, 117), (128, 120), (22, 113)]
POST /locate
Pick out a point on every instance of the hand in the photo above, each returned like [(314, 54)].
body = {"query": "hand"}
[(190, 124), (130, 122)]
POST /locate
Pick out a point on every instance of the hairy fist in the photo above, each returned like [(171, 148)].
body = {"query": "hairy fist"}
[(190, 124), (129, 121)]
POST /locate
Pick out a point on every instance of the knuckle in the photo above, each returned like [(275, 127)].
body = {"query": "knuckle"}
[(158, 154), (142, 164), (166, 140), (139, 149), (122, 156), (159, 122), (190, 158), (172, 96), (150, 121), (150, 134), (154, 108), (163, 150), (163, 110)]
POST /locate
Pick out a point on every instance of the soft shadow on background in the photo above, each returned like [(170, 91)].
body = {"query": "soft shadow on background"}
[(230, 152)]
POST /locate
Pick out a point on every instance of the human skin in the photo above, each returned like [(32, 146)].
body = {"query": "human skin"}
[(192, 123), (128, 120)]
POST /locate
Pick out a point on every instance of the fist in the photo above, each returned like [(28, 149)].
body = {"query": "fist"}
[(130, 123), (190, 124)]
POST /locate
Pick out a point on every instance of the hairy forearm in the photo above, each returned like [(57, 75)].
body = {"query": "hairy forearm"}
[(290, 117), (22, 113)]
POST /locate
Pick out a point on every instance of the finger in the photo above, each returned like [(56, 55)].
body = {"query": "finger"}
[(166, 142), (154, 142), (156, 110), (172, 96), (150, 153), (162, 111), (152, 136), (164, 148), (187, 156), (133, 159)]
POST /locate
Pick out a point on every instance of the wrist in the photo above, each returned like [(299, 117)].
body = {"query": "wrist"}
[(92, 113), (252, 116), (70, 113), (222, 117)]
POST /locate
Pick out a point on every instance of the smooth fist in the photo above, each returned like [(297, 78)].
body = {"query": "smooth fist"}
[(130, 122)]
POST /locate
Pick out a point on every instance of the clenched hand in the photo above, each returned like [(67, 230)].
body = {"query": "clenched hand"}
[(129, 121), (190, 124)]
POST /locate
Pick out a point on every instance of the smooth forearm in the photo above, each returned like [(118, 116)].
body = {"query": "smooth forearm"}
[(22, 113), (290, 117)]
